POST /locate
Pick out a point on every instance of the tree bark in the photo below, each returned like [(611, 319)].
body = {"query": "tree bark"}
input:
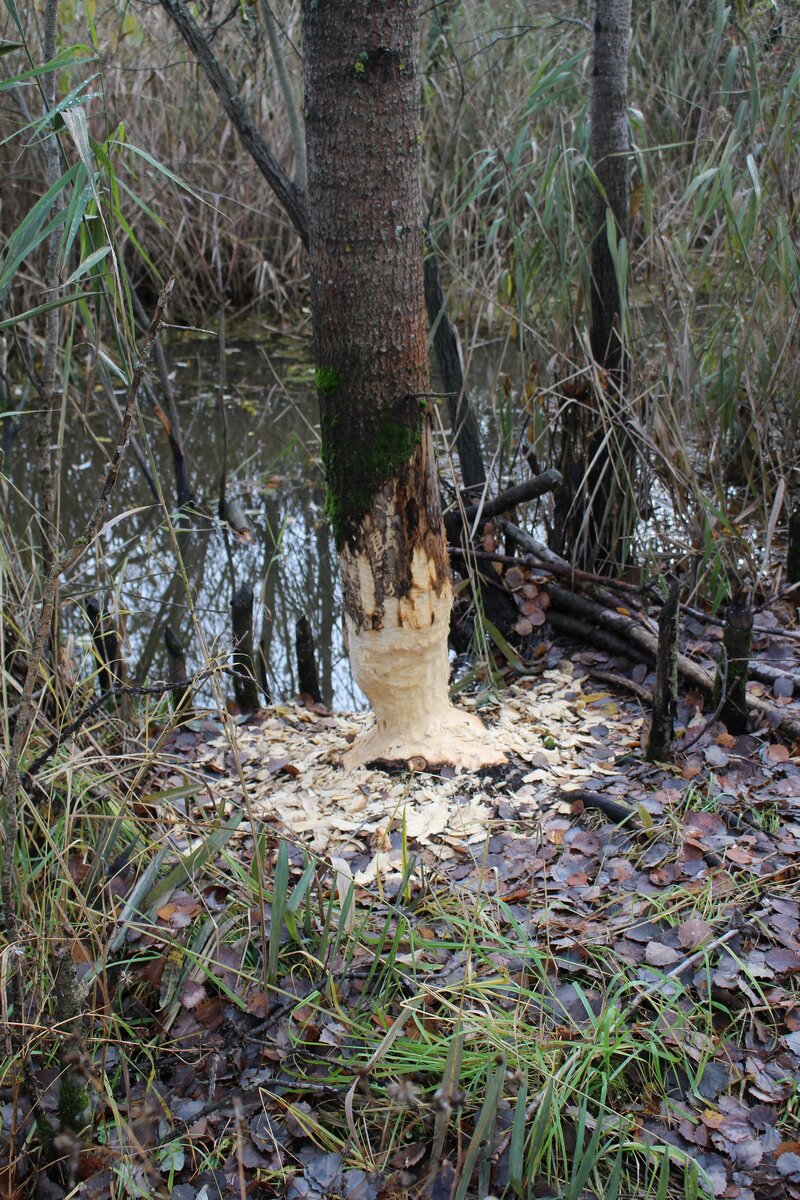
[(609, 107), (730, 684), (368, 305), (596, 514), (665, 690)]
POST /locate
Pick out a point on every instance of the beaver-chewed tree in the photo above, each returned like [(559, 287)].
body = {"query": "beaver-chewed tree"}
[(368, 305)]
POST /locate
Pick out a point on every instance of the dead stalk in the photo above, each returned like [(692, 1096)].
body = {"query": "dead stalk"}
[(46, 465), (28, 702)]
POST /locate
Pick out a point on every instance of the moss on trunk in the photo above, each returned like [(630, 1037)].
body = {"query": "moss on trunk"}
[(356, 468)]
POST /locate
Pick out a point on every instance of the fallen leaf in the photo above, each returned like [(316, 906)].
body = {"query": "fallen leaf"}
[(785, 961), (193, 994), (739, 855), (692, 932), (658, 955)]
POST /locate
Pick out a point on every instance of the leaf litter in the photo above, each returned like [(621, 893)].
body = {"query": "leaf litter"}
[(527, 912)]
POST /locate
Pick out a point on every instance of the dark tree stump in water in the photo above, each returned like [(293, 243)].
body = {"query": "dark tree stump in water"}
[(107, 647), (464, 423), (178, 675), (307, 677), (245, 687)]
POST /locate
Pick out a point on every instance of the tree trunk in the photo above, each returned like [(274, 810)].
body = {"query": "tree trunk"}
[(610, 147), (365, 218), (598, 456), (463, 422), (730, 685), (665, 689)]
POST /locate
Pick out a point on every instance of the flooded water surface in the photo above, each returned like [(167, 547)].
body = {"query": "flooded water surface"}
[(154, 566)]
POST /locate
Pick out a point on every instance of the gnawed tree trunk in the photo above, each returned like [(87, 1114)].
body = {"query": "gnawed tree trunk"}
[(362, 121)]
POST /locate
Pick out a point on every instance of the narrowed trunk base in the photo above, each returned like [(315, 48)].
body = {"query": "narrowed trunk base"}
[(402, 668)]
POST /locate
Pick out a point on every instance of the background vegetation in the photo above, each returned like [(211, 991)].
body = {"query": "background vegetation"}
[(151, 182)]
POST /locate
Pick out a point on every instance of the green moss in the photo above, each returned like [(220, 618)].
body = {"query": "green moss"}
[(355, 468), (73, 1101), (393, 445), (327, 380)]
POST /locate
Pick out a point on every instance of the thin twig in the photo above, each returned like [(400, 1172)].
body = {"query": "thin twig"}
[(678, 969), (115, 693)]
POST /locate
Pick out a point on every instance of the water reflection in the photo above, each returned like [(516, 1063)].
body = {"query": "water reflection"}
[(155, 567)]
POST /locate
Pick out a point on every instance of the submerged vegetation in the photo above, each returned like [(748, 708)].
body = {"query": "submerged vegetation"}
[(199, 996)]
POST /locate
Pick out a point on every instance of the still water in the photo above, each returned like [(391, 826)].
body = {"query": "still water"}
[(152, 566)]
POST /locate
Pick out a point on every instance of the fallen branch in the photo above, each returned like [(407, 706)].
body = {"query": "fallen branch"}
[(618, 813), (521, 493), (585, 631), (596, 620), (597, 586), (624, 683)]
